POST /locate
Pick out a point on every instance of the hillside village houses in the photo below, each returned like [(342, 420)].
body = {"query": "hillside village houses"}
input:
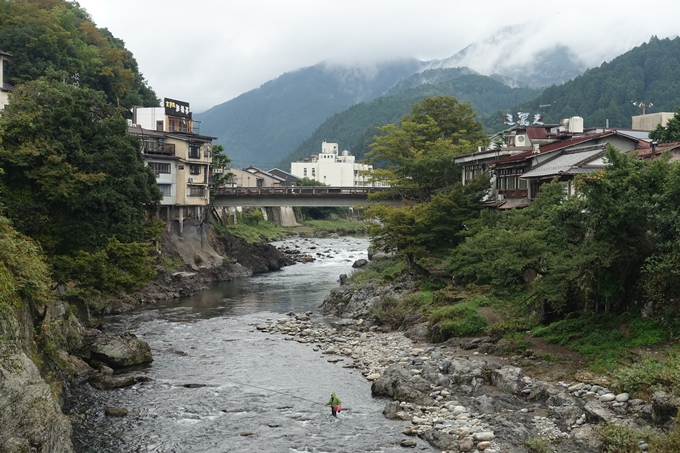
[(332, 168), (529, 154), (179, 156), (4, 87)]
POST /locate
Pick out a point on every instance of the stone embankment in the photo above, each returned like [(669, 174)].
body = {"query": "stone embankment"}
[(463, 400)]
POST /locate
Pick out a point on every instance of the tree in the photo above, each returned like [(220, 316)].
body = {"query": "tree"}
[(418, 152), (670, 132), (74, 178), (220, 161)]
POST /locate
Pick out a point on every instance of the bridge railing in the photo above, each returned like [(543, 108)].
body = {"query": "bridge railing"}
[(298, 191)]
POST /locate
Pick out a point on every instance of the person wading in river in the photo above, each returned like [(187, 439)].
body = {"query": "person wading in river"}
[(334, 403)]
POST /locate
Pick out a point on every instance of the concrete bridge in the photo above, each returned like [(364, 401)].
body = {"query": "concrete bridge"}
[(307, 196)]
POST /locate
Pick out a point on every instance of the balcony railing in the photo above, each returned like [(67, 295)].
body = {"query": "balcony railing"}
[(167, 149), (514, 193)]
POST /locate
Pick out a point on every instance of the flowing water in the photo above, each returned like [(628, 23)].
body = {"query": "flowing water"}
[(219, 385)]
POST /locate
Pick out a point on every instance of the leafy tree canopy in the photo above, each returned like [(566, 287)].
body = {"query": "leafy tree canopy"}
[(418, 152), (74, 177), (670, 132), (57, 38)]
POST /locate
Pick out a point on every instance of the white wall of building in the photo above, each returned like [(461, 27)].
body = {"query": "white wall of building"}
[(4, 96), (147, 117), (332, 168)]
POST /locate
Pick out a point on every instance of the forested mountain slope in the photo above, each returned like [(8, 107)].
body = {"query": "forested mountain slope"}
[(261, 126), (649, 73), (58, 39), (354, 128)]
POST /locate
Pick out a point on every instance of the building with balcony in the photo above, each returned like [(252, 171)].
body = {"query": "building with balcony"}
[(332, 168), (179, 157)]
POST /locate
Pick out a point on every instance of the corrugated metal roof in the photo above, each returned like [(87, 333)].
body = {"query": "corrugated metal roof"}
[(537, 133), (563, 163)]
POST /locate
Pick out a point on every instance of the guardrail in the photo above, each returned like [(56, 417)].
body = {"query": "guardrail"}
[(299, 191)]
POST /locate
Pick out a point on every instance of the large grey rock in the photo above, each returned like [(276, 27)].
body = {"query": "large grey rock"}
[(664, 406), (397, 383), (120, 350), (103, 381), (29, 414), (508, 379)]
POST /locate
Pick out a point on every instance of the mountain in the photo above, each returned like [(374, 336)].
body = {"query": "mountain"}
[(649, 73), (263, 125), (354, 128), (517, 59)]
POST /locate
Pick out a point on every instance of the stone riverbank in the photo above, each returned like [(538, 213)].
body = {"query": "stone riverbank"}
[(461, 400)]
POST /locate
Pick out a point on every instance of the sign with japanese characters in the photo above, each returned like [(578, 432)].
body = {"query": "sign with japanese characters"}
[(176, 108)]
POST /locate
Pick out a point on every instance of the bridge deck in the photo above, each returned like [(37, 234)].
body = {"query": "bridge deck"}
[(297, 196)]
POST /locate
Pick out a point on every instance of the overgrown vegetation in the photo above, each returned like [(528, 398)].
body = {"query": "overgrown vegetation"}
[(646, 376)]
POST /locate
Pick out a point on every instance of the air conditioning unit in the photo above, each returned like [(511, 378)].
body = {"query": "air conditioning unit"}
[(191, 180), (520, 140)]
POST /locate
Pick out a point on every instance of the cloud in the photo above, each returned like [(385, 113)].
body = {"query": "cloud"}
[(207, 51)]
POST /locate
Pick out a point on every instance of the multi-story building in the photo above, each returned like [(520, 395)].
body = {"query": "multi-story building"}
[(332, 168), (179, 156), (5, 88)]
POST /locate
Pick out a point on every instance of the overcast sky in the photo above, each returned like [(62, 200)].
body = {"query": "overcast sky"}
[(207, 52)]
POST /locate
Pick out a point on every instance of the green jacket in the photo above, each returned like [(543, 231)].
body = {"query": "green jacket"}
[(334, 401)]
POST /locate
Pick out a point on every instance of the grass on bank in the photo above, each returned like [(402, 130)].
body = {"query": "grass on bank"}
[(338, 226)]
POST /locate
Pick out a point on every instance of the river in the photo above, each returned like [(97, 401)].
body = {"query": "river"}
[(219, 385)]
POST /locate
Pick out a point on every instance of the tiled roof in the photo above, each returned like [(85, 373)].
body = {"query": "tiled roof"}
[(5, 54)]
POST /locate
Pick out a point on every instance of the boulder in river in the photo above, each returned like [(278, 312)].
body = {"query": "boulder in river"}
[(120, 351)]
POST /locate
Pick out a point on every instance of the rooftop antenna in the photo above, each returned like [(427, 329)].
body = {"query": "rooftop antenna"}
[(642, 106)]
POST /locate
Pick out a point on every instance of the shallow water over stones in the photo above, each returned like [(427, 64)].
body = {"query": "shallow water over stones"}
[(218, 385)]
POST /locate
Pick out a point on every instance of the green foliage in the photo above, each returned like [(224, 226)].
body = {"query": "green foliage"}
[(254, 217), (24, 275), (418, 152), (649, 72), (649, 375), (118, 267), (619, 438), (538, 445), (459, 320), (386, 269), (58, 39), (221, 161), (308, 182), (339, 226), (668, 133), (73, 175), (251, 233), (603, 337)]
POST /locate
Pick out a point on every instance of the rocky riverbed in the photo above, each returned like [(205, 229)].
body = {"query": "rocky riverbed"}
[(462, 400)]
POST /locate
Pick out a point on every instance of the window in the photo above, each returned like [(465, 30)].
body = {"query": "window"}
[(522, 183), (207, 151), (195, 169), (313, 172), (159, 168), (166, 189), (511, 182), (304, 172), (194, 151), (260, 182), (196, 191), (159, 125)]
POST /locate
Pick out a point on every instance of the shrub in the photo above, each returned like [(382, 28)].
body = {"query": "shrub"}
[(650, 375), (537, 445), (619, 438), (460, 320)]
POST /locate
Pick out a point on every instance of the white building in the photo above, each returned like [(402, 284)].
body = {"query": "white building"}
[(4, 87), (332, 169)]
